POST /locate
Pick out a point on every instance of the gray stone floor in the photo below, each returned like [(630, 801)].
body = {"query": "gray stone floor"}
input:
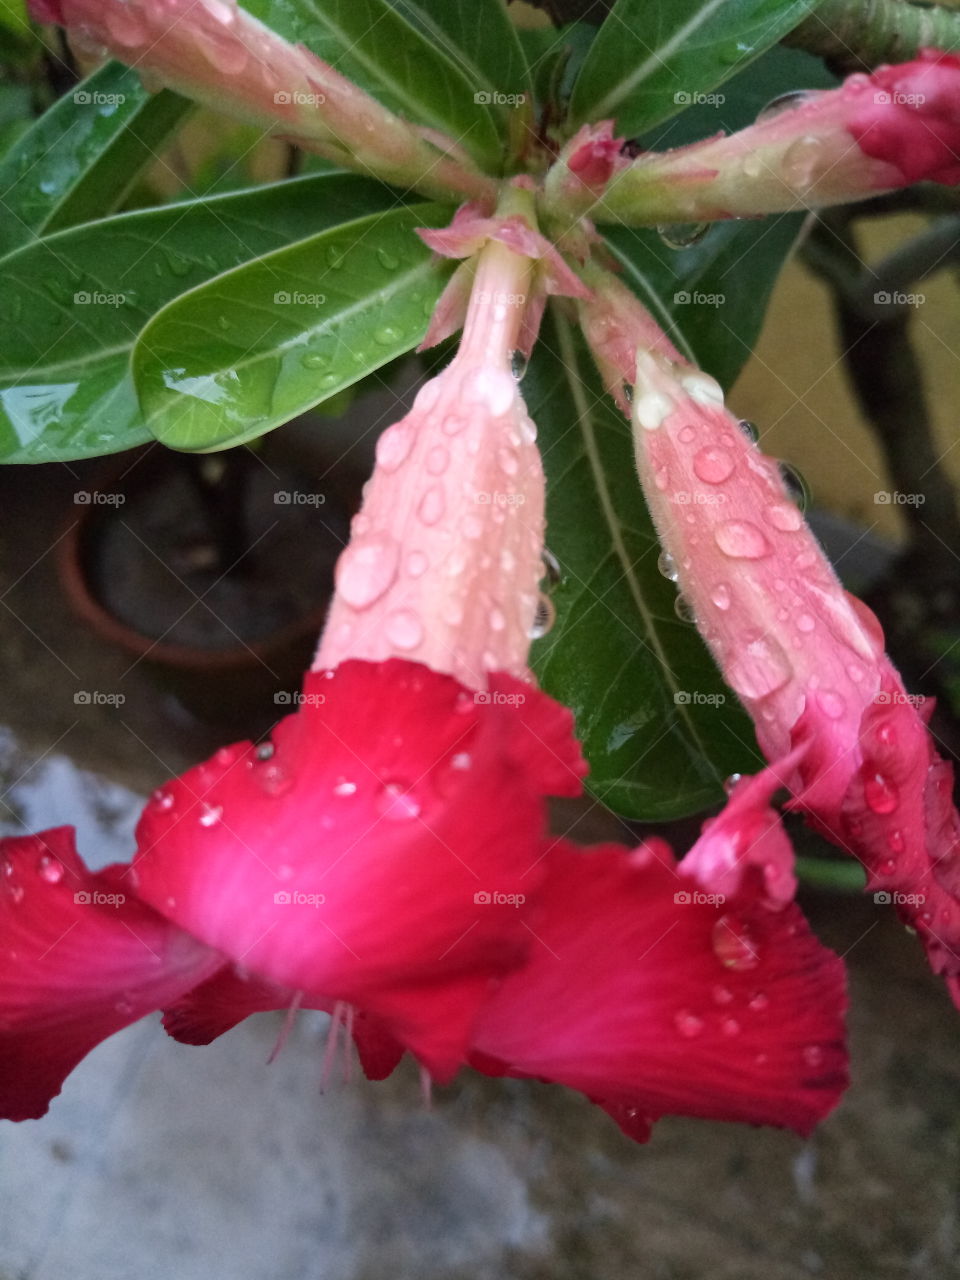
[(163, 1162)]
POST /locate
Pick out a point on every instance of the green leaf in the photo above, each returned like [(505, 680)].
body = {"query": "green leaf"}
[(618, 654), (652, 57), (65, 386), (373, 44), (710, 297), (13, 16), (259, 345), (82, 156), (479, 37)]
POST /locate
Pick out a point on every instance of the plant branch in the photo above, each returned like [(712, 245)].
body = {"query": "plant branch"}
[(857, 35)]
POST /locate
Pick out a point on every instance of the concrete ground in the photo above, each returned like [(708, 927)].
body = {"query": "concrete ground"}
[(162, 1161)]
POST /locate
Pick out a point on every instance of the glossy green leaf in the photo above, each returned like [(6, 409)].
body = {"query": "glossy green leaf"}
[(660, 729), (82, 156), (710, 297), (255, 347), (374, 45), (479, 37), (652, 58), (66, 336)]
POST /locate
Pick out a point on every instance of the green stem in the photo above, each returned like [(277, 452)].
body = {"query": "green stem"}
[(836, 875), (856, 35)]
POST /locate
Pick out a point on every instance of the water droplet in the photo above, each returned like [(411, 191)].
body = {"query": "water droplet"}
[(51, 869), (335, 257), (730, 1027), (417, 564), (784, 516), (453, 424), (496, 619), (210, 814), (223, 322), (688, 1024), (544, 617), (264, 751), (687, 435), (393, 447), (509, 462), (881, 794), (713, 464), (758, 1003), (551, 568), (758, 666), (722, 995), (896, 842), (627, 391), (731, 781), (518, 364), (813, 1055), (404, 629), (438, 459), (366, 569), (720, 595), (801, 161), (163, 800), (785, 102), (462, 761), (314, 360), (386, 336), (750, 430), (345, 788), (682, 235), (832, 704), (668, 566), (741, 540), (396, 802), (732, 944), (806, 622), (684, 609), (274, 779), (387, 260), (179, 266)]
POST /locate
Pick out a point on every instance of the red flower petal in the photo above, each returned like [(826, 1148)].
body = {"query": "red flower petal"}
[(651, 1002), (80, 958), (356, 863), (226, 999)]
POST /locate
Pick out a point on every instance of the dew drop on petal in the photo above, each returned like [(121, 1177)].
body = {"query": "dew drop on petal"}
[(785, 102), (758, 1003), (393, 447), (210, 814), (462, 761), (366, 569), (831, 703), (813, 1055), (750, 430), (668, 566), (732, 944), (730, 1027), (432, 505), (688, 1024), (518, 364), (720, 595), (687, 435), (805, 622), (397, 802), (345, 788), (722, 995), (784, 516), (417, 564), (51, 869), (544, 617), (741, 540), (404, 629), (896, 842), (881, 794), (714, 464), (684, 609), (496, 620), (682, 235), (509, 462)]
